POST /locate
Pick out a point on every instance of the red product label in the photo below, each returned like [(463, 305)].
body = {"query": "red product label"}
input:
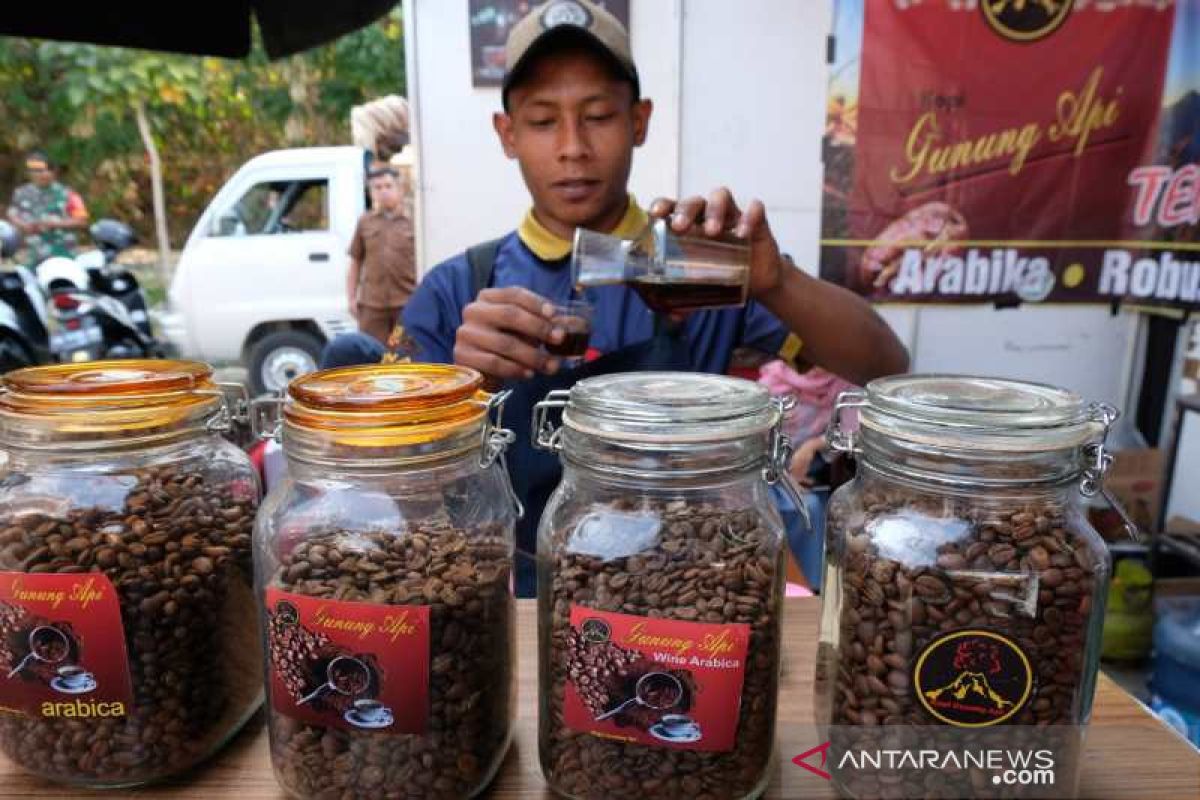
[(358, 666), (659, 682), (62, 646)]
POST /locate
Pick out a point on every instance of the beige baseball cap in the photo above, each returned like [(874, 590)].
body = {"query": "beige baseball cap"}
[(558, 17)]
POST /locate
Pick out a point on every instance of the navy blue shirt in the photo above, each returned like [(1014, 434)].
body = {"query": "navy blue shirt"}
[(623, 339), (434, 313)]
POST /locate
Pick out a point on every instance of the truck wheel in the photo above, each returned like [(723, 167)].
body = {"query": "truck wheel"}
[(277, 358)]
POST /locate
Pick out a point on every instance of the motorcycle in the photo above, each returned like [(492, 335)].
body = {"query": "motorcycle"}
[(98, 306), (93, 326), (24, 326)]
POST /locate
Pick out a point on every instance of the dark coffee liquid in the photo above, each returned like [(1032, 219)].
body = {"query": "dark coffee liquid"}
[(573, 344), (666, 296)]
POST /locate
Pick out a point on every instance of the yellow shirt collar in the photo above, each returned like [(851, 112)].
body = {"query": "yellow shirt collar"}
[(548, 247)]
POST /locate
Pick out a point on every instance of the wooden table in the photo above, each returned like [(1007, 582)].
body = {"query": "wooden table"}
[(1130, 753)]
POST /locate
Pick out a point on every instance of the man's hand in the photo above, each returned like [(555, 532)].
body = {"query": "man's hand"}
[(718, 216), (839, 330), (803, 457), (503, 332), (27, 227)]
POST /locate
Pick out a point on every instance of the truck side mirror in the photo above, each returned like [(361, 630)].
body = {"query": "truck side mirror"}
[(228, 224)]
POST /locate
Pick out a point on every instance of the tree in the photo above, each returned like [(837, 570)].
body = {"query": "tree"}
[(120, 82), (200, 117)]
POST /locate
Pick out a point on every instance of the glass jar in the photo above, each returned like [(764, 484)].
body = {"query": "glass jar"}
[(964, 589), (383, 564), (128, 650), (660, 585)]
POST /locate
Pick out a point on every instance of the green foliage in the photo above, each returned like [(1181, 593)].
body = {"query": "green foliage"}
[(208, 115)]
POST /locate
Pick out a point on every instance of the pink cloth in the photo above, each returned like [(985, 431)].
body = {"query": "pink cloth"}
[(796, 590), (815, 392)]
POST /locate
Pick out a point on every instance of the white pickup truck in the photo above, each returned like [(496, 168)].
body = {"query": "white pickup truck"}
[(262, 278)]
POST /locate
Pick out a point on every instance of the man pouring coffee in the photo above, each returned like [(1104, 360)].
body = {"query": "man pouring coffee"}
[(572, 117)]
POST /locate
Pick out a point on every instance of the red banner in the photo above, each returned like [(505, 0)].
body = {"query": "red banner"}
[(1014, 151)]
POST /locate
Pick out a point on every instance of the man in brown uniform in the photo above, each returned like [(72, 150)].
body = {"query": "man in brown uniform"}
[(382, 270)]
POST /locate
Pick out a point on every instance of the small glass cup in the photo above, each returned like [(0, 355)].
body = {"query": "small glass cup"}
[(574, 317)]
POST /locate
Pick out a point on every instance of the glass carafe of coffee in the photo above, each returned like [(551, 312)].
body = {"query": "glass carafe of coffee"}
[(671, 273)]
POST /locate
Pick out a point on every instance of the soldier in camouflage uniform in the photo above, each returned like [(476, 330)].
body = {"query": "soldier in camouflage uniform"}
[(47, 213)]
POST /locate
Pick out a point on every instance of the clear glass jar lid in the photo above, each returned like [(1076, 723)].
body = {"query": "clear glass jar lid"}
[(967, 411), (669, 407)]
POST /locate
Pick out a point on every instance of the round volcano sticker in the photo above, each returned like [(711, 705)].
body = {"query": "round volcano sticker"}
[(973, 678), (1022, 21)]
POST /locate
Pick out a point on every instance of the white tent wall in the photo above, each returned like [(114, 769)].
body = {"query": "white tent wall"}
[(753, 111), (739, 94)]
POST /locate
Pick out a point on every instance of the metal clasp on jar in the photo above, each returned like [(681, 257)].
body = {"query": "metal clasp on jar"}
[(266, 416), (495, 440), (235, 411), (1099, 459), (779, 457), (545, 435), (837, 437)]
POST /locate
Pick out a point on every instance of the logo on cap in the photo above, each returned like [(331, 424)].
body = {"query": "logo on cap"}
[(565, 12)]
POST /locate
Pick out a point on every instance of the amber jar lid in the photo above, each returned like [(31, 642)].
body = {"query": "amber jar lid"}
[(385, 406), (109, 397)]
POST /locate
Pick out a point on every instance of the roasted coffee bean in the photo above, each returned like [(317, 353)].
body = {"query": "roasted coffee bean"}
[(1039, 559), (1024, 572), (1000, 554), (707, 565), (931, 587), (463, 576), (189, 635)]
